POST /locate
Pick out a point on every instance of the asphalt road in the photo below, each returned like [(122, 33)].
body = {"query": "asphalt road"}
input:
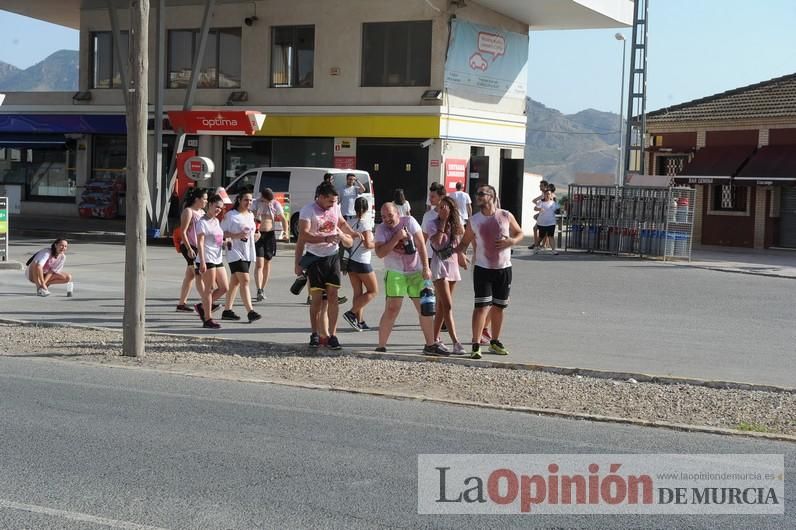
[(574, 310), (95, 447)]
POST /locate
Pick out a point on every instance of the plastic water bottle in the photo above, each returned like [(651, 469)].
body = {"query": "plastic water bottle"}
[(70, 289), (409, 245), (428, 300), (298, 284)]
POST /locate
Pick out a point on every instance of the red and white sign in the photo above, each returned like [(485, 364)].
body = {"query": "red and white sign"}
[(435, 163), (345, 162), (199, 168), (345, 147), (455, 171), (214, 122)]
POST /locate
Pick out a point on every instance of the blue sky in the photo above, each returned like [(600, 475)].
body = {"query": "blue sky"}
[(696, 48)]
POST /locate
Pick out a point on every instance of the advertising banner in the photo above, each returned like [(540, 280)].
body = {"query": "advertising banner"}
[(486, 60), (3, 228)]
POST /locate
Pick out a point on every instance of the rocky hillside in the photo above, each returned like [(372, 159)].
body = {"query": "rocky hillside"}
[(55, 73)]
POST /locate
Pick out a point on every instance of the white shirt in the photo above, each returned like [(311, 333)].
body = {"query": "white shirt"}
[(214, 239), (47, 262), (322, 223), (462, 200), (359, 253), (488, 229), (403, 209), (235, 222), (428, 217), (547, 214), (347, 199)]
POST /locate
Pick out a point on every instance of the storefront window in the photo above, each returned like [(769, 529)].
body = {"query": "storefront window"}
[(46, 174), (221, 65), (303, 152)]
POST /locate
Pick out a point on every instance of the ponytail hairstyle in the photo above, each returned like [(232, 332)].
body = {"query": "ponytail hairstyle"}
[(360, 206), (398, 196), (54, 247), (191, 195)]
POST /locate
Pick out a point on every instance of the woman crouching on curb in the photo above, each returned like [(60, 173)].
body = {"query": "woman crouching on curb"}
[(46, 267), (209, 262)]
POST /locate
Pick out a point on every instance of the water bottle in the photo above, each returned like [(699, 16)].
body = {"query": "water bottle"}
[(428, 301), (70, 289), (409, 244), (298, 284)]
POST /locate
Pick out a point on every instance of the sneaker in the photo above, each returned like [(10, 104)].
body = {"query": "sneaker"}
[(315, 340), (441, 347), (253, 315), (200, 310), (41, 291), (476, 352), (555, 253), (229, 314), (333, 343), (260, 296), (531, 246), (212, 324), (184, 308), (351, 318), (363, 326), (485, 337), (380, 349), (434, 349), (496, 347), (214, 307), (341, 300), (458, 349)]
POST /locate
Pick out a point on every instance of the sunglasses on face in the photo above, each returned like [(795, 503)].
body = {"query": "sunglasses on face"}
[(484, 194)]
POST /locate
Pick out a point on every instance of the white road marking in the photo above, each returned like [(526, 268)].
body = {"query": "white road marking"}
[(75, 516)]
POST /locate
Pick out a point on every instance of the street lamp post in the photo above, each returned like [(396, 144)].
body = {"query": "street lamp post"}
[(620, 180)]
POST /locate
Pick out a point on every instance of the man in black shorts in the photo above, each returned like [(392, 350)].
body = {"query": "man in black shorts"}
[(494, 231), (321, 231)]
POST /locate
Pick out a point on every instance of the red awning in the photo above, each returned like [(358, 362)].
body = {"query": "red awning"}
[(772, 163), (715, 164)]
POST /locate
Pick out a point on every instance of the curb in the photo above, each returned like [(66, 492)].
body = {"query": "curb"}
[(736, 271), (11, 265), (556, 413), (472, 363)]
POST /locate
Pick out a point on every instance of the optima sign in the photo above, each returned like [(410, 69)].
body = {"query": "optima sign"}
[(227, 123)]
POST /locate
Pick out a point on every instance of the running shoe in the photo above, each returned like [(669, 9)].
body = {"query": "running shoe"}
[(496, 347), (260, 296), (253, 315), (351, 318), (380, 349), (200, 310), (441, 347), (363, 326), (184, 308), (485, 337), (212, 324), (341, 300), (433, 349), (334, 343), (229, 314), (315, 340), (214, 307), (41, 291), (476, 352), (458, 349)]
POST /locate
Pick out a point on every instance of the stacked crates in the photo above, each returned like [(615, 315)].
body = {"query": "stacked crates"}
[(652, 222)]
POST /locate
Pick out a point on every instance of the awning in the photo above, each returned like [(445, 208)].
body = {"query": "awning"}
[(63, 123), (32, 141), (714, 164), (771, 164)]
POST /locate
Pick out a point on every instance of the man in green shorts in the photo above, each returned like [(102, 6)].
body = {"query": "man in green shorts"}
[(399, 242)]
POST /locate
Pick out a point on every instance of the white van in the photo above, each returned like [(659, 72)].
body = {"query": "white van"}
[(299, 183)]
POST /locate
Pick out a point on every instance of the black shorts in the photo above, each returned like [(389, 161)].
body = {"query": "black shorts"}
[(184, 251), (323, 272), (209, 266), (547, 231), (265, 247), (359, 268), (491, 286), (239, 266)]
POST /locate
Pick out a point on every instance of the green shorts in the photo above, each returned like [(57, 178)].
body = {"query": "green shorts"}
[(399, 284)]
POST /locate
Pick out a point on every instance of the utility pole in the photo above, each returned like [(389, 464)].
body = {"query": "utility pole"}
[(137, 189)]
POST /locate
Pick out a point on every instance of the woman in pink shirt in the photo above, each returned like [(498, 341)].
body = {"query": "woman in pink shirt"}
[(46, 268)]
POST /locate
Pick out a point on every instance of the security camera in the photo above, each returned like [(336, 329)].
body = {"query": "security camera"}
[(250, 20), (426, 143)]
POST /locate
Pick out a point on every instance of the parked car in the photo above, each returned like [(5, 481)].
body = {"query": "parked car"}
[(298, 183)]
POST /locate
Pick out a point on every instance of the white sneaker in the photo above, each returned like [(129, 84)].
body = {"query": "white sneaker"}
[(441, 347), (458, 349), (41, 291)]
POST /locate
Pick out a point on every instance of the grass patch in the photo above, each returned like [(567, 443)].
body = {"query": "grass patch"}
[(751, 427)]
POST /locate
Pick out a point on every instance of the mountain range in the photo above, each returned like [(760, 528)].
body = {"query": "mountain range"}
[(557, 145)]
